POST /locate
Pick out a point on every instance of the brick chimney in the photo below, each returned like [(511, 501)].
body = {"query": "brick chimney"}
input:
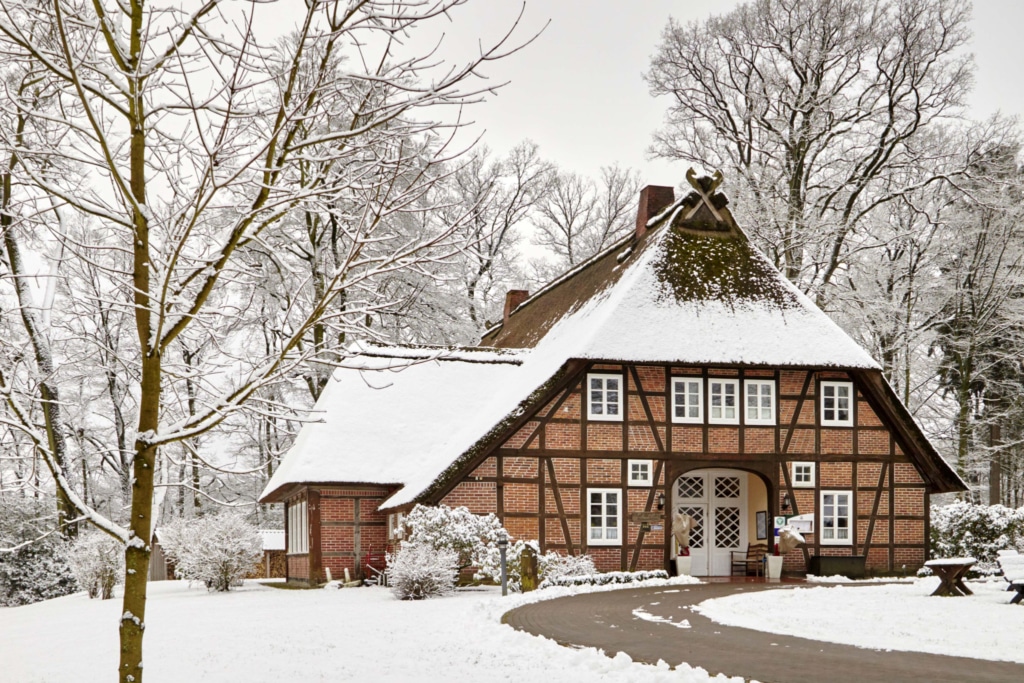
[(653, 200), (513, 298)]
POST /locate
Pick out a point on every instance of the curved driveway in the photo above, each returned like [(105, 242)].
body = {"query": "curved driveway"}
[(606, 621)]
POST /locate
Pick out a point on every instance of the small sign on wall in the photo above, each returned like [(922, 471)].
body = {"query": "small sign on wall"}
[(646, 517)]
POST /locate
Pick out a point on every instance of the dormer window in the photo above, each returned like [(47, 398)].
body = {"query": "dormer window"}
[(837, 404), (723, 401), (604, 397)]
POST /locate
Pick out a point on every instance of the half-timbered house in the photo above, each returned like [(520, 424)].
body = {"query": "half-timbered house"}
[(675, 371)]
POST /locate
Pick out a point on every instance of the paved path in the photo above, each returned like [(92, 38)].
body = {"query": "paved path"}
[(606, 621)]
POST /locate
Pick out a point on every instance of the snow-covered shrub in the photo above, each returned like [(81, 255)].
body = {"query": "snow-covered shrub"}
[(605, 579), (420, 571), (36, 572), (962, 529), (97, 561), (38, 569), (468, 535), (549, 565), (218, 550)]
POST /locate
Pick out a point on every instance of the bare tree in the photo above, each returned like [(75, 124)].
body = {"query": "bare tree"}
[(499, 195), (182, 143), (581, 217), (812, 106)]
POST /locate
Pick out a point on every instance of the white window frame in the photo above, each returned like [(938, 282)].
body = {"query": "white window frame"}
[(737, 403), (851, 398), (760, 385), (647, 480), (798, 484), (603, 514), (298, 528), (686, 395), (823, 519), (395, 522), (619, 404)]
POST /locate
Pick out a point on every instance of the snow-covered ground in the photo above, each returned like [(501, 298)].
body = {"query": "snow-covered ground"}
[(889, 617), (260, 634)]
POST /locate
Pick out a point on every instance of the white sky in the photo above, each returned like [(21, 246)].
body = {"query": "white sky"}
[(577, 90)]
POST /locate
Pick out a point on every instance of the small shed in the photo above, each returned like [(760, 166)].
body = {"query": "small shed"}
[(160, 567), (273, 564)]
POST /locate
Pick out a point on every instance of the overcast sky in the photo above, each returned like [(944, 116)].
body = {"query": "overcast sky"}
[(577, 89)]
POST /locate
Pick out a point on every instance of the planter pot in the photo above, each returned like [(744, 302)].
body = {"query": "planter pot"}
[(683, 565), (774, 566)]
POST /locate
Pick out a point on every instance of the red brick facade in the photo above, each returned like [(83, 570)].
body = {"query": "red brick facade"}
[(536, 479)]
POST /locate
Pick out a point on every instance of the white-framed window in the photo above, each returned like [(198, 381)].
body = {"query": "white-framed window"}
[(760, 406), (604, 397), (641, 472), (836, 518), (395, 526), (723, 401), (604, 517), (803, 475), (687, 399), (298, 528), (837, 404)]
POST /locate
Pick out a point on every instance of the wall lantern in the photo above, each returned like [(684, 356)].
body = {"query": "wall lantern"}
[(661, 500), (786, 503)]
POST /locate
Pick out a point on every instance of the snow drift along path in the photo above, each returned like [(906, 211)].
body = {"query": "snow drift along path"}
[(886, 617), (259, 634)]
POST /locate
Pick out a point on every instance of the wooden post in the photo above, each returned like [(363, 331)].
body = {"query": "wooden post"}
[(528, 569)]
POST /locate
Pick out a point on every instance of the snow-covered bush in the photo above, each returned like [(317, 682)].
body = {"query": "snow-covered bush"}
[(35, 572), (605, 579), (468, 535), (962, 529), (218, 550), (549, 565), (38, 569), (419, 571), (97, 561)]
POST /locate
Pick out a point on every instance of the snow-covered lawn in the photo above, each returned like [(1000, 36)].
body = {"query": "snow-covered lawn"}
[(889, 617), (267, 634)]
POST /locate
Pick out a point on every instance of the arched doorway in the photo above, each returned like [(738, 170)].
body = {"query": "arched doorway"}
[(724, 504)]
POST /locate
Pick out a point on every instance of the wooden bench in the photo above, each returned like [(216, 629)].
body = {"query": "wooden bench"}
[(752, 560), (1012, 565)]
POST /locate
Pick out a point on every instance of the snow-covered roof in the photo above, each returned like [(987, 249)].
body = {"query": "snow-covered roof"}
[(683, 295), (680, 294), (273, 539), (402, 419)]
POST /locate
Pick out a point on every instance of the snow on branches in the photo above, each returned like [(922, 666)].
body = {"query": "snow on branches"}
[(422, 571), (218, 550), (97, 561), (472, 541), (963, 529)]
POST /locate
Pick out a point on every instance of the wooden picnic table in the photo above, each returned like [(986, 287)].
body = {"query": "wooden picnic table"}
[(951, 571)]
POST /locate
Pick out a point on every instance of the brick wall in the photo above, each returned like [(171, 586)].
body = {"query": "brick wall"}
[(350, 526), (516, 482)]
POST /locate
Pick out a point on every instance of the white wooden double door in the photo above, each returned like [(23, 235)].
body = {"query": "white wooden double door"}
[(717, 501)]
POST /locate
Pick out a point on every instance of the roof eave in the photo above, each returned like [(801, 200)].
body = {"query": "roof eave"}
[(940, 477)]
